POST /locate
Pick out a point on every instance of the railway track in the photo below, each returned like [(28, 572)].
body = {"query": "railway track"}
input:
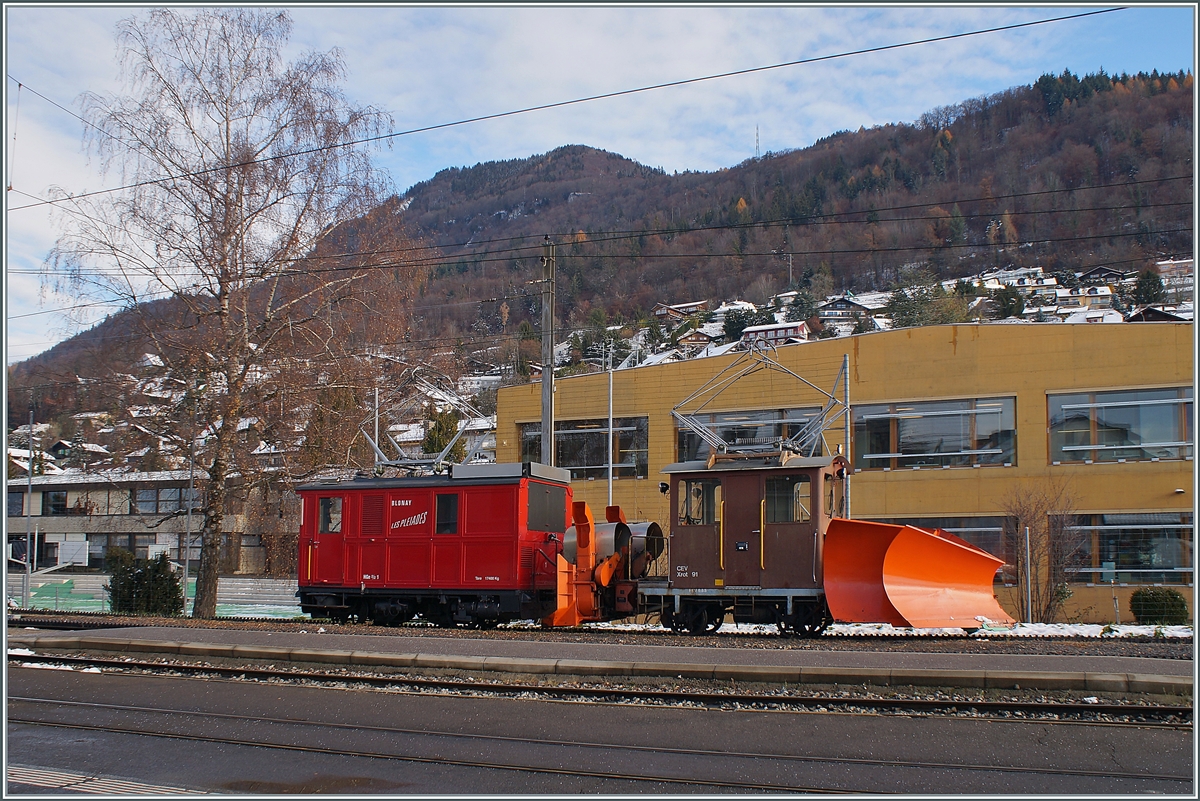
[(626, 754), (1091, 712)]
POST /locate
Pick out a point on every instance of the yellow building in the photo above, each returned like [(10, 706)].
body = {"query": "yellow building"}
[(950, 424)]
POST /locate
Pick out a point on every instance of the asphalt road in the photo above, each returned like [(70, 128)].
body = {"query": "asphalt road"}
[(375, 742)]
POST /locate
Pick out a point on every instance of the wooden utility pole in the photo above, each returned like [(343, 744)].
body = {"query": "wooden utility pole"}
[(548, 352)]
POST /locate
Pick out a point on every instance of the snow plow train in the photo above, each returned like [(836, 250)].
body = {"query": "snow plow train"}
[(759, 540)]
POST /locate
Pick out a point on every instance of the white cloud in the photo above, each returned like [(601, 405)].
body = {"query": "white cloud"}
[(434, 65)]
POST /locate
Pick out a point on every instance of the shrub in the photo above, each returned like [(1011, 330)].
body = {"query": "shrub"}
[(1159, 605), (143, 586)]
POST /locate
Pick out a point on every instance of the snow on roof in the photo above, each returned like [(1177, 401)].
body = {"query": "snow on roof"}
[(1095, 316), (872, 300), (112, 476), (661, 358), (407, 432), (755, 329), (24, 453), (717, 350)]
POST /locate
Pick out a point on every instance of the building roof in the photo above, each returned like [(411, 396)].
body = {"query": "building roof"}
[(111, 477)]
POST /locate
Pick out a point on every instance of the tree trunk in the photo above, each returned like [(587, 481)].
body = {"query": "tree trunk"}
[(205, 604)]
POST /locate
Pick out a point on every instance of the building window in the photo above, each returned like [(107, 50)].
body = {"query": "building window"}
[(146, 501), (745, 430), (1150, 548), (581, 446), (55, 503), (16, 503), (789, 499), (1133, 425), (164, 501), (982, 532), (957, 433), (699, 501)]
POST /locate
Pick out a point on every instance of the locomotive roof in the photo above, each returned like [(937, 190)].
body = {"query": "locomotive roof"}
[(800, 463), (471, 475)]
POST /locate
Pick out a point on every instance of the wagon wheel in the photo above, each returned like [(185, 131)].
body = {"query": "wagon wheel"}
[(716, 619), (696, 620)]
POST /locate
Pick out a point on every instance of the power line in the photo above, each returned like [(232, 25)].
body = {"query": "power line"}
[(434, 343), (565, 103)]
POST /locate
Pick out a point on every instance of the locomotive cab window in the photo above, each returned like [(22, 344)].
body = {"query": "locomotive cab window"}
[(699, 502), (789, 499), (447, 514), (330, 514), (834, 496)]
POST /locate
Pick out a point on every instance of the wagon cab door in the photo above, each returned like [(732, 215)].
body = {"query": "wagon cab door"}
[(371, 543), (329, 545), (790, 541), (743, 540)]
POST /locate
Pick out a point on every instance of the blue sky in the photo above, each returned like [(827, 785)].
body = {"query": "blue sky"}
[(430, 65)]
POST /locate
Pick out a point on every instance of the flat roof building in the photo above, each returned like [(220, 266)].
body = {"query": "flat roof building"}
[(949, 424)]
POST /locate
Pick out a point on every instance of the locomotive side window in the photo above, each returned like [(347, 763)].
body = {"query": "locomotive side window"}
[(447, 515), (699, 501), (547, 507), (834, 496), (789, 499), (330, 513)]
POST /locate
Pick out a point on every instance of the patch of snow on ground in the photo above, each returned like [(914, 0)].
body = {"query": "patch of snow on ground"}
[(20, 652), (991, 631)]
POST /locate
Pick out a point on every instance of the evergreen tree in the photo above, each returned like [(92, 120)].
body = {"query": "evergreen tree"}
[(802, 307), (443, 426), (1149, 288), (1007, 302)]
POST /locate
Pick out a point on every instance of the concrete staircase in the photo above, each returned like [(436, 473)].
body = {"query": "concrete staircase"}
[(263, 591)]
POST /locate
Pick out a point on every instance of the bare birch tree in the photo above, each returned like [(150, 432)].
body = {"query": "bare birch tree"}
[(1045, 506), (236, 167)]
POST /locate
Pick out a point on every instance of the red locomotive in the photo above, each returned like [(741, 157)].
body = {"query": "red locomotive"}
[(758, 537), (476, 548)]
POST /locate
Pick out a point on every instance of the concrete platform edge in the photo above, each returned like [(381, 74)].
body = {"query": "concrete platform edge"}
[(980, 679)]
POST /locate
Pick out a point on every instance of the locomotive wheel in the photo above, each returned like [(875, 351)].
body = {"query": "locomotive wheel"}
[(810, 621), (440, 616)]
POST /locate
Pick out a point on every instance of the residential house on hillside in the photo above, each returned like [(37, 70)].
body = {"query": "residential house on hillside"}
[(19, 458), (1083, 297), (1102, 275), (730, 306), (775, 333), (847, 305), (671, 314), (698, 338), (1158, 313), (1097, 315)]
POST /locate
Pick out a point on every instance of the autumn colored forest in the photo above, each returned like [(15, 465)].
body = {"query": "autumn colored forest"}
[(1068, 173)]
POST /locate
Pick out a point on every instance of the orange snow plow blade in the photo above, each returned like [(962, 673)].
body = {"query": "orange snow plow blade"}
[(906, 576)]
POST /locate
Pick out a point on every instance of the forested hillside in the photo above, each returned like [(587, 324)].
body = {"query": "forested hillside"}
[(1067, 173)]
